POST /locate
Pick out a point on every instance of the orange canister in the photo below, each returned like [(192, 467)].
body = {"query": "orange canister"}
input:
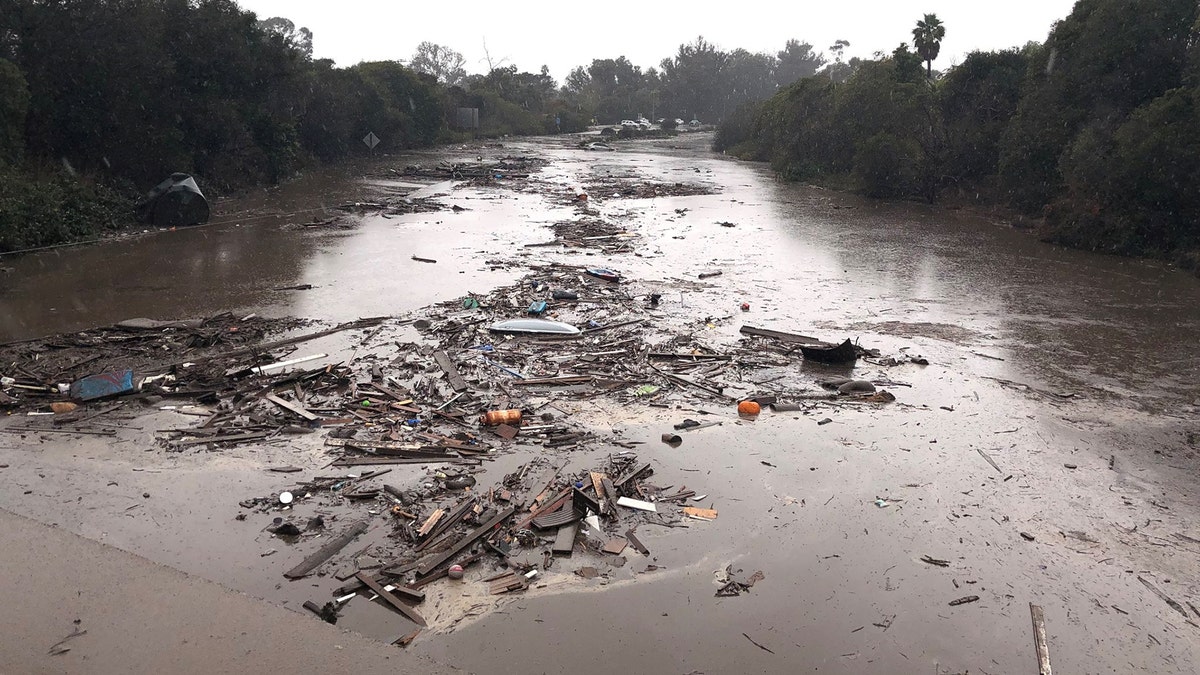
[(494, 418)]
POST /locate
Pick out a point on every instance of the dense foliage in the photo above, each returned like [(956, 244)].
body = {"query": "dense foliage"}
[(1097, 130)]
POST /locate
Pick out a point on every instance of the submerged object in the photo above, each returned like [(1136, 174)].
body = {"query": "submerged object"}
[(534, 327), (175, 202), (825, 352), (605, 274)]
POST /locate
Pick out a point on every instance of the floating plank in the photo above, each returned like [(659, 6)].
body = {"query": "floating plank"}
[(778, 335), (636, 504), (564, 543), (391, 599), (295, 408), (434, 561), (452, 374), (326, 552), (1039, 639)]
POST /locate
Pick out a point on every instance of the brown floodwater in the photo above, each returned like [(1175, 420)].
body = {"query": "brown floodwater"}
[(1039, 356)]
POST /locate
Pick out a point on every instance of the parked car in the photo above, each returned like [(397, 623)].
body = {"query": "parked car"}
[(629, 124), (678, 122), (694, 123)]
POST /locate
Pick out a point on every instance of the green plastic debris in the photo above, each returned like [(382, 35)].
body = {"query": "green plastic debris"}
[(470, 303), (647, 389)]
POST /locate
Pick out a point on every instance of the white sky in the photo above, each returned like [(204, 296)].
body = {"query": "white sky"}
[(569, 33)]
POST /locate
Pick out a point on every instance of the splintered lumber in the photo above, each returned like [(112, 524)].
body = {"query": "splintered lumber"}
[(448, 522), (327, 551), (233, 438), (391, 599), (551, 507), (452, 374), (620, 482), (1039, 639), (366, 461), (778, 335), (702, 514), (427, 526), (565, 379), (295, 408), (434, 561), (564, 542)]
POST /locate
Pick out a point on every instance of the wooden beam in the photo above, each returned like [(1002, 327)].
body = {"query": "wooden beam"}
[(1039, 639), (452, 374), (295, 408), (434, 561), (391, 599), (327, 551)]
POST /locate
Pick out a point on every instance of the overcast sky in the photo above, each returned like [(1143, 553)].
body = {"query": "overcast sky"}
[(566, 34)]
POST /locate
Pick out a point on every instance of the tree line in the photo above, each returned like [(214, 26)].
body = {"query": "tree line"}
[(1096, 131), (102, 99)]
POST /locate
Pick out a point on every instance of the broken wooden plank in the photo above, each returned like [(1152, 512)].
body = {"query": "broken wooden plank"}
[(702, 514), (1164, 597), (777, 335), (620, 482), (430, 522), (233, 438), (564, 542), (391, 599), (291, 407), (456, 380), (636, 543), (566, 379), (326, 552), (448, 522), (367, 461), (989, 460), (550, 507), (1039, 639), (434, 561)]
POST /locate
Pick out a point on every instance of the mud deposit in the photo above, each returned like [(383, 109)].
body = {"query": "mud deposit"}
[(1041, 447)]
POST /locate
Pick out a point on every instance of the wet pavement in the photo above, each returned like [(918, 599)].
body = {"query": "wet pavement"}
[(1039, 357)]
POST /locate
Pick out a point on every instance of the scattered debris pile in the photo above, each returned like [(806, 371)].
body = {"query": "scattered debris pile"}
[(507, 537)]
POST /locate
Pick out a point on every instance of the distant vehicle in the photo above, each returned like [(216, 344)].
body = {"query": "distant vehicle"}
[(678, 121), (628, 124), (643, 124), (694, 123)]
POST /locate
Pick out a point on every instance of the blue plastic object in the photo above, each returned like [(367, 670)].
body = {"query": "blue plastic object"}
[(105, 384), (538, 307)]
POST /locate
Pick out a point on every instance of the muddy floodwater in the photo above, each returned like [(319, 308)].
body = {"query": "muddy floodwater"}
[(1046, 454)]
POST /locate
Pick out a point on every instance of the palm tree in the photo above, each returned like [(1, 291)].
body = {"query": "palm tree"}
[(927, 38)]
